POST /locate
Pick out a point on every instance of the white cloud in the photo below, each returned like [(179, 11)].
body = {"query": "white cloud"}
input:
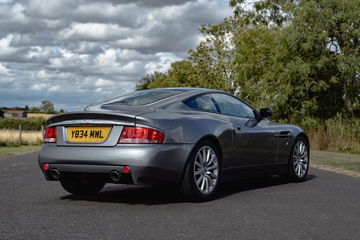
[(54, 88), (39, 86), (3, 70), (103, 83), (161, 63), (92, 32)]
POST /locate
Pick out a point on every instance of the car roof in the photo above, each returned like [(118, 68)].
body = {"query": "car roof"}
[(186, 93), (188, 89)]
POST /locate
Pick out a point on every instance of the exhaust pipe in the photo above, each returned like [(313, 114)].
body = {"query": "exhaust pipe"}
[(115, 176), (55, 174)]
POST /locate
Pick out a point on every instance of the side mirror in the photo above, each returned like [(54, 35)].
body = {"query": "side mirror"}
[(265, 113)]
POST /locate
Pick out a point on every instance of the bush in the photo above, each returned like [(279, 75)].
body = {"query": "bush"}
[(30, 124), (335, 134)]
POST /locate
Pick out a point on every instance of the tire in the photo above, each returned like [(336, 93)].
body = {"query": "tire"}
[(202, 174), (79, 186), (299, 160)]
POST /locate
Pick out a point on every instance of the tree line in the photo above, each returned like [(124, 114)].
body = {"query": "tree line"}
[(299, 57), (45, 107)]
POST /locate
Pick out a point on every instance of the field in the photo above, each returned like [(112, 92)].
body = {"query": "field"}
[(12, 137), (42, 115)]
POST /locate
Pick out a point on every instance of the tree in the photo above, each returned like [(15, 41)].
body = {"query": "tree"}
[(319, 53), (47, 107), (300, 57), (34, 109)]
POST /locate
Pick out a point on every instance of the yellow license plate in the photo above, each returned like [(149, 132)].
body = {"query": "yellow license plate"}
[(88, 134)]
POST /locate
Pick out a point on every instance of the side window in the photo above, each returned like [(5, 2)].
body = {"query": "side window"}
[(202, 102), (229, 105)]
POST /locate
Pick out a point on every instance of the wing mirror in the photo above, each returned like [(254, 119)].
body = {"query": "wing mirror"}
[(265, 113)]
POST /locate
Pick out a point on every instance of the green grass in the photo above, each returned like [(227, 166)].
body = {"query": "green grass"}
[(342, 161), (7, 151)]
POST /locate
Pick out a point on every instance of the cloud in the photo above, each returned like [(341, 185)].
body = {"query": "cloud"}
[(3, 70), (38, 86), (103, 83), (88, 47)]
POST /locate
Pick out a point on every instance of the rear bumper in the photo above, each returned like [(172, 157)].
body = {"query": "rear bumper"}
[(148, 163)]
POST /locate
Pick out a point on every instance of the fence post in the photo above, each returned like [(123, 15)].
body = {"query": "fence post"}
[(20, 134)]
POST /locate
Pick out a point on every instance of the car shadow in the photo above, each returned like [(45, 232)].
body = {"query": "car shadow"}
[(146, 195)]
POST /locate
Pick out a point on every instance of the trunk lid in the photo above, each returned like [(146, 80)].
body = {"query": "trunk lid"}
[(92, 128)]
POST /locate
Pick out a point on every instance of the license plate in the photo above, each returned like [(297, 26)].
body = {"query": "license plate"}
[(88, 134)]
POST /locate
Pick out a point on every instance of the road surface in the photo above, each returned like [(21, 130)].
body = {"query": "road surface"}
[(326, 206)]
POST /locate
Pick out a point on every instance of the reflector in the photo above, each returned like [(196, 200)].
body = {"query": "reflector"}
[(126, 169), (46, 166)]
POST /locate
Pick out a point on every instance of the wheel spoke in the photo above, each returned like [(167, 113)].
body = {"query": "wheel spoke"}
[(204, 155), (212, 175), (200, 157), (303, 155), (305, 161), (212, 167), (202, 184), (211, 160), (211, 182), (207, 156), (206, 184), (197, 164), (198, 181), (303, 167)]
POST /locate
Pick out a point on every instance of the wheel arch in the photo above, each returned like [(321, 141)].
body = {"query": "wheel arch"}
[(302, 134), (209, 137)]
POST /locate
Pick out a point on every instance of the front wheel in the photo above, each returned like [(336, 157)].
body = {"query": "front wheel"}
[(79, 186), (299, 160), (201, 178)]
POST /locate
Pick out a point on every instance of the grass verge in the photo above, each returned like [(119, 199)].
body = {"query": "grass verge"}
[(7, 151), (343, 163)]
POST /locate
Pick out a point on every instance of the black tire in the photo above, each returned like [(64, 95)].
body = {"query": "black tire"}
[(189, 188), (78, 186), (292, 173)]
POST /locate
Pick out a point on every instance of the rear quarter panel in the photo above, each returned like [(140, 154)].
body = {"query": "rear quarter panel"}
[(188, 127)]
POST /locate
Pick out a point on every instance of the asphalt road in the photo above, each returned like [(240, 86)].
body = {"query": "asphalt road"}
[(326, 206)]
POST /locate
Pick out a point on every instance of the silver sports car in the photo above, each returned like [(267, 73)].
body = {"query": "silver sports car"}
[(192, 137)]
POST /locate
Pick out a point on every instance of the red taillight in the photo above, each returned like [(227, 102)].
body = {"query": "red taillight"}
[(141, 135), (50, 135)]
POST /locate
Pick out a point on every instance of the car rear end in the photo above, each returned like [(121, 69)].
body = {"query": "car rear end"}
[(111, 148)]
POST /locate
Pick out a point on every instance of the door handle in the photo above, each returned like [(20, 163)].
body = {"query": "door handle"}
[(237, 128), (283, 134)]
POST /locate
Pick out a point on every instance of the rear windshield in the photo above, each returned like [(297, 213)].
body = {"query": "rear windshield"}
[(138, 98)]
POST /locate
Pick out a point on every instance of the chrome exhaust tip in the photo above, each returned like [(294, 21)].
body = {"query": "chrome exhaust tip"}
[(115, 176), (55, 174)]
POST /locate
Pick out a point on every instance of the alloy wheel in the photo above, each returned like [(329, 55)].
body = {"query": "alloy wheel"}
[(300, 159), (206, 170)]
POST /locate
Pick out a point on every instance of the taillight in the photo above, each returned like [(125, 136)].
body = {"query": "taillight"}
[(141, 135), (50, 135)]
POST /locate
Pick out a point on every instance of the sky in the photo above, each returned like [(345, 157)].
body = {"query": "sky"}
[(77, 52)]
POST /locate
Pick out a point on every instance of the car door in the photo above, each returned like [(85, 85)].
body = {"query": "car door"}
[(254, 142)]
